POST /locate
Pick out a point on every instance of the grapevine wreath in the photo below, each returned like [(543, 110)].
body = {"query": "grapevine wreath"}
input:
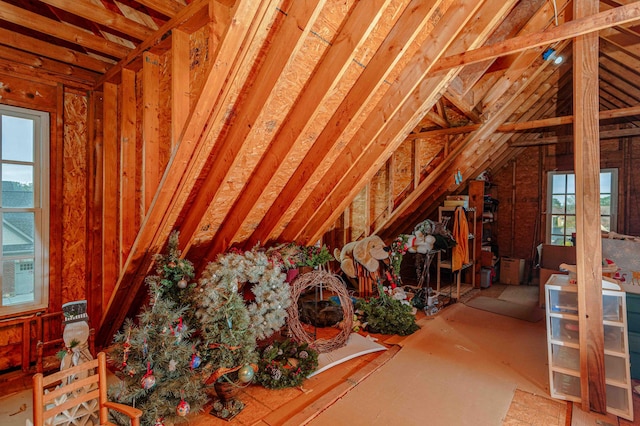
[(332, 283)]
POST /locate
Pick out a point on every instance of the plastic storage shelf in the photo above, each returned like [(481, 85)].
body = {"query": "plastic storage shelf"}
[(564, 349)]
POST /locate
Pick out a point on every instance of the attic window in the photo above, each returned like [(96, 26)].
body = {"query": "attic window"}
[(24, 209), (561, 205)]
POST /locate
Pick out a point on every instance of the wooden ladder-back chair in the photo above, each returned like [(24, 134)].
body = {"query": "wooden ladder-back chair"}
[(82, 390)]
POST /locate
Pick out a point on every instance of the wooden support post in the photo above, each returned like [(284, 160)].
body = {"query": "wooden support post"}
[(110, 189), (589, 244), (130, 215), (150, 126), (476, 201)]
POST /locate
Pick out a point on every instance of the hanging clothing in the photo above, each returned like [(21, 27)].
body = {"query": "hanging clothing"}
[(460, 252)]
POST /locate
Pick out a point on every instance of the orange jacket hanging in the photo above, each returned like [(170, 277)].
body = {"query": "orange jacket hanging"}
[(460, 253)]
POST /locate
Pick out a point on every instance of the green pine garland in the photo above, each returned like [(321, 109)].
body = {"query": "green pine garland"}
[(386, 315), (286, 364)]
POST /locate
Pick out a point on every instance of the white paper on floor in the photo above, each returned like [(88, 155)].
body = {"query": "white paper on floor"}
[(357, 345)]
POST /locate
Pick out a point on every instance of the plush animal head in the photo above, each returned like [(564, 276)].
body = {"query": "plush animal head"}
[(345, 257), (369, 251)]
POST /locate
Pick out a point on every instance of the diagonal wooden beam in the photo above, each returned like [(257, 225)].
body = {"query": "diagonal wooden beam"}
[(586, 25), (11, 59), (336, 61), (103, 16), (196, 8), (285, 44), (472, 146), (39, 23), (169, 8), (48, 50), (411, 22), (245, 23), (397, 112)]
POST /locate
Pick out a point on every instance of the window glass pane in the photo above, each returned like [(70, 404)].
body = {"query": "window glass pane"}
[(605, 205), (558, 184), (571, 204), (17, 139), (557, 240), (18, 234), (605, 223), (17, 185), (605, 183), (557, 204), (571, 184), (18, 285), (570, 225), (557, 225)]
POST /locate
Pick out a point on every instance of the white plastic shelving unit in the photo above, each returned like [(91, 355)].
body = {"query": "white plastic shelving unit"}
[(564, 350)]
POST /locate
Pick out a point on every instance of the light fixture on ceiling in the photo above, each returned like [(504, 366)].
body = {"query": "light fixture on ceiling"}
[(550, 55)]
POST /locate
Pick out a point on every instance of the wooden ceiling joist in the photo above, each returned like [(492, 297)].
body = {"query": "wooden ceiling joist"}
[(590, 24), (47, 50), (191, 12), (62, 31), (107, 18)]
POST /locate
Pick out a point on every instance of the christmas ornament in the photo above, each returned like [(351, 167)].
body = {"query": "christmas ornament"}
[(183, 408), (148, 380), (159, 422), (172, 365), (126, 348), (195, 361), (182, 283), (246, 373)]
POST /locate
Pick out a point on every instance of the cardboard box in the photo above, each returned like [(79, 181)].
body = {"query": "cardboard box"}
[(486, 258), (553, 256), (550, 259), (545, 274), (511, 270)]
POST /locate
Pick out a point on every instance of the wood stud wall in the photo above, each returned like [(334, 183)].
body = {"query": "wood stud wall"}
[(163, 140)]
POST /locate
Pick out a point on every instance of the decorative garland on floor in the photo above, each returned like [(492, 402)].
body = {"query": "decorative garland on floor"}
[(286, 364), (332, 283), (272, 295)]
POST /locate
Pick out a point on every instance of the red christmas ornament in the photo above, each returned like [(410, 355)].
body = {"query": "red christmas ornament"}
[(148, 380), (183, 408)]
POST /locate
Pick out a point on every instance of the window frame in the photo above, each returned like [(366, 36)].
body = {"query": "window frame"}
[(40, 209), (613, 213)]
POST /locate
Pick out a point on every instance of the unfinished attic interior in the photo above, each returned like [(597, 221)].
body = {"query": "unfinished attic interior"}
[(262, 122)]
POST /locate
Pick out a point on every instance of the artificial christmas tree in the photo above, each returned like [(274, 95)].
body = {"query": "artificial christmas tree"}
[(157, 361)]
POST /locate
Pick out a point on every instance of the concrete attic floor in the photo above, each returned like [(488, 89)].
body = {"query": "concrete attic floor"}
[(464, 367)]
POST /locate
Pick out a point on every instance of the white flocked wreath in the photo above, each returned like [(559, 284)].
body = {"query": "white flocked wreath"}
[(232, 270)]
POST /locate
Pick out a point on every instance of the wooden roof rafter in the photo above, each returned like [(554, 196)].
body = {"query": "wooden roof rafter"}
[(406, 103), (286, 42), (339, 56), (249, 22), (409, 25), (107, 18), (437, 183), (62, 31)]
